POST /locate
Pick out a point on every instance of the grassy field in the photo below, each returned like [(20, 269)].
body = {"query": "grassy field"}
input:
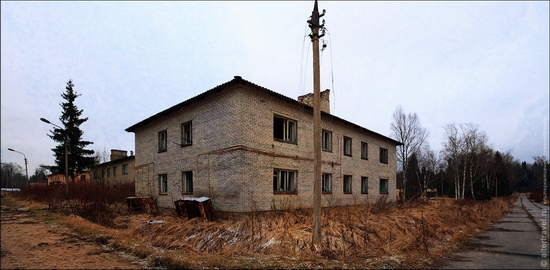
[(382, 235)]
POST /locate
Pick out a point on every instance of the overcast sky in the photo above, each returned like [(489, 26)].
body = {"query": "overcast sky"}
[(449, 62)]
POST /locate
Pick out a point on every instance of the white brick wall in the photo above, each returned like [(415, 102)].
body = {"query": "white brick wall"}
[(240, 179)]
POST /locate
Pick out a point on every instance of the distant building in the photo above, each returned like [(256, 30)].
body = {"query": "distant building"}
[(59, 178), (120, 169), (251, 149)]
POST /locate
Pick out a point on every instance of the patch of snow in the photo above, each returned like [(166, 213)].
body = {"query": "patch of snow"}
[(201, 199), (155, 221), (267, 244)]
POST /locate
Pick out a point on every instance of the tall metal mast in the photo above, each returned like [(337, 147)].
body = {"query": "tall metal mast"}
[(317, 176)]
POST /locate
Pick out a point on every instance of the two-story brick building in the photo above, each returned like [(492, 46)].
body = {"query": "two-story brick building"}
[(120, 169), (251, 149)]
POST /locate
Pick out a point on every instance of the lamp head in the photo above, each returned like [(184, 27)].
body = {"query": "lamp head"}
[(45, 120)]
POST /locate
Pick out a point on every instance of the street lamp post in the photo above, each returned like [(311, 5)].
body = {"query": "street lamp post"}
[(66, 156), (26, 170)]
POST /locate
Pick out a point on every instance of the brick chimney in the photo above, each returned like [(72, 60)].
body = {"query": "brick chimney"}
[(118, 154), (325, 100)]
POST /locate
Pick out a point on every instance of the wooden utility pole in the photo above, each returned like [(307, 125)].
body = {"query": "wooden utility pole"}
[(315, 27)]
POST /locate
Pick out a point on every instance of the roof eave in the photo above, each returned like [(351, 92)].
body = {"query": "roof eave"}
[(240, 80)]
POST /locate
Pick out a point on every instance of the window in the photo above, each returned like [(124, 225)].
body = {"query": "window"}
[(103, 173), (284, 181), (187, 182), (108, 172), (163, 141), (114, 171), (364, 185), (327, 140), (326, 183), (125, 169), (284, 129), (383, 155), (364, 150), (163, 183), (383, 186), (347, 146), (347, 184), (186, 134)]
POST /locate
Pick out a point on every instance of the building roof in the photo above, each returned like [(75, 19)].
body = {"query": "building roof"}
[(238, 80), (120, 160)]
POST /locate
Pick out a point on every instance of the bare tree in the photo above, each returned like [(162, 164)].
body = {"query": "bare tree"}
[(475, 142), (407, 130), (11, 175), (101, 156), (430, 162), (466, 152), (453, 151)]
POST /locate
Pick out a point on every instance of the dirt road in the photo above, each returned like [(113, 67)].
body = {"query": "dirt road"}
[(29, 243)]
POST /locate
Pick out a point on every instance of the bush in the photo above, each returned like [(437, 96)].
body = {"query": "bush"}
[(95, 202), (43, 194)]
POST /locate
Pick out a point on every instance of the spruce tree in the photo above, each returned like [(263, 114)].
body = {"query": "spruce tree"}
[(80, 159)]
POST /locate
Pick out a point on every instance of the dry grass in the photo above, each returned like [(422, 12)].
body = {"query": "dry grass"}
[(411, 235), (377, 236)]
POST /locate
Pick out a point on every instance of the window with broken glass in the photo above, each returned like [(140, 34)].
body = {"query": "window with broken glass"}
[(187, 182), (284, 129), (327, 140), (383, 155), (326, 183), (364, 150), (186, 134), (383, 186), (163, 141), (347, 146), (284, 180), (347, 184), (364, 185), (163, 183)]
